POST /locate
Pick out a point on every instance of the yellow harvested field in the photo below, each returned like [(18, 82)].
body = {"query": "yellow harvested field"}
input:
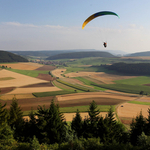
[(70, 116), (93, 94), (132, 110), (101, 76), (19, 79), (58, 72), (33, 90), (23, 66), (17, 96)]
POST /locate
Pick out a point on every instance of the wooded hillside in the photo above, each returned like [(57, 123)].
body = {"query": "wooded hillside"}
[(75, 55), (135, 69), (10, 57)]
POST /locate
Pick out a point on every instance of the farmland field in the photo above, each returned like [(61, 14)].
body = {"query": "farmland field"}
[(35, 78)]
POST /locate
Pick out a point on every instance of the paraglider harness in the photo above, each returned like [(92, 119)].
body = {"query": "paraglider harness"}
[(105, 44)]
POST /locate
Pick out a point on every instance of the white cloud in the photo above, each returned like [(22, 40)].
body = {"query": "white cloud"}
[(17, 36)]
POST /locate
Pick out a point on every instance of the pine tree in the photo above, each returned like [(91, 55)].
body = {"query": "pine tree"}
[(147, 128), (109, 129), (137, 127), (93, 118), (93, 112), (51, 124), (77, 124), (6, 134), (30, 127), (16, 120)]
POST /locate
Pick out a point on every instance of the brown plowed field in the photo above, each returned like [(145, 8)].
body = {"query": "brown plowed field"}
[(38, 85), (6, 90), (95, 95), (87, 101), (26, 104), (46, 77), (46, 67)]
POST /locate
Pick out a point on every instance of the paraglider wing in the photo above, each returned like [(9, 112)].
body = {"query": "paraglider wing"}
[(101, 13)]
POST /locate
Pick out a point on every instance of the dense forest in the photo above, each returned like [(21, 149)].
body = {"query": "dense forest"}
[(47, 130), (132, 68), (147, 53), (77, 55), (10, 57)]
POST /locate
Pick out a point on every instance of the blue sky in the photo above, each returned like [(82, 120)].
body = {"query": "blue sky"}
[(57, 25)]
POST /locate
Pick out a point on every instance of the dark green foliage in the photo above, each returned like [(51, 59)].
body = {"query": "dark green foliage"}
[(10, 57), (6, 133), (137, 127), (141, 92), (90, 124), (3, 114), (31, 128), (77, 124), (134, 68), (51, 124), (75, 55), (16, 120), (147, 127), (109, 130)]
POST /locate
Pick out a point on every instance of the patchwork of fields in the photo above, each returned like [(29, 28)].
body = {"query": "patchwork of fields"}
[(22, 85)]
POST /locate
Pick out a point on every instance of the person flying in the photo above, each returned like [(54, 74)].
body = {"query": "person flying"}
[(105, 44)]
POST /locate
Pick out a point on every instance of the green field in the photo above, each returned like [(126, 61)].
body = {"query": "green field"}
[(138, 102), (62, 86), (31, 73), (136, 89), (90, 83), (54, 93), (102, 108), (77, 86), (135, 81)]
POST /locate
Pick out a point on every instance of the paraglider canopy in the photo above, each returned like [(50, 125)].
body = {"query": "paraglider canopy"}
[(101, 13)]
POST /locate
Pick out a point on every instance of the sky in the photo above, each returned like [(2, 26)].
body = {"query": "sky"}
[(57, 25)]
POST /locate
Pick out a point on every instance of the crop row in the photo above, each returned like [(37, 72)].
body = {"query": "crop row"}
[(125, 88), (54, 93), (76, 86)]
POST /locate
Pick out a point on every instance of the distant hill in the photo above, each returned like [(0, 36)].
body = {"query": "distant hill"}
[(47, 53), (147, 53), (75, 55), (10, 57)]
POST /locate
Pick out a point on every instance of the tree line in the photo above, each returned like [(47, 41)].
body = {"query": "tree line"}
[(47, 129), (130, 68), (10, 57)]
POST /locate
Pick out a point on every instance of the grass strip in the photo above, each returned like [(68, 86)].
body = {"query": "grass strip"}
[(88, 82), (102, 108), (77, 86), (62, 86), (53, 93), (31, 73), (139, 102)]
